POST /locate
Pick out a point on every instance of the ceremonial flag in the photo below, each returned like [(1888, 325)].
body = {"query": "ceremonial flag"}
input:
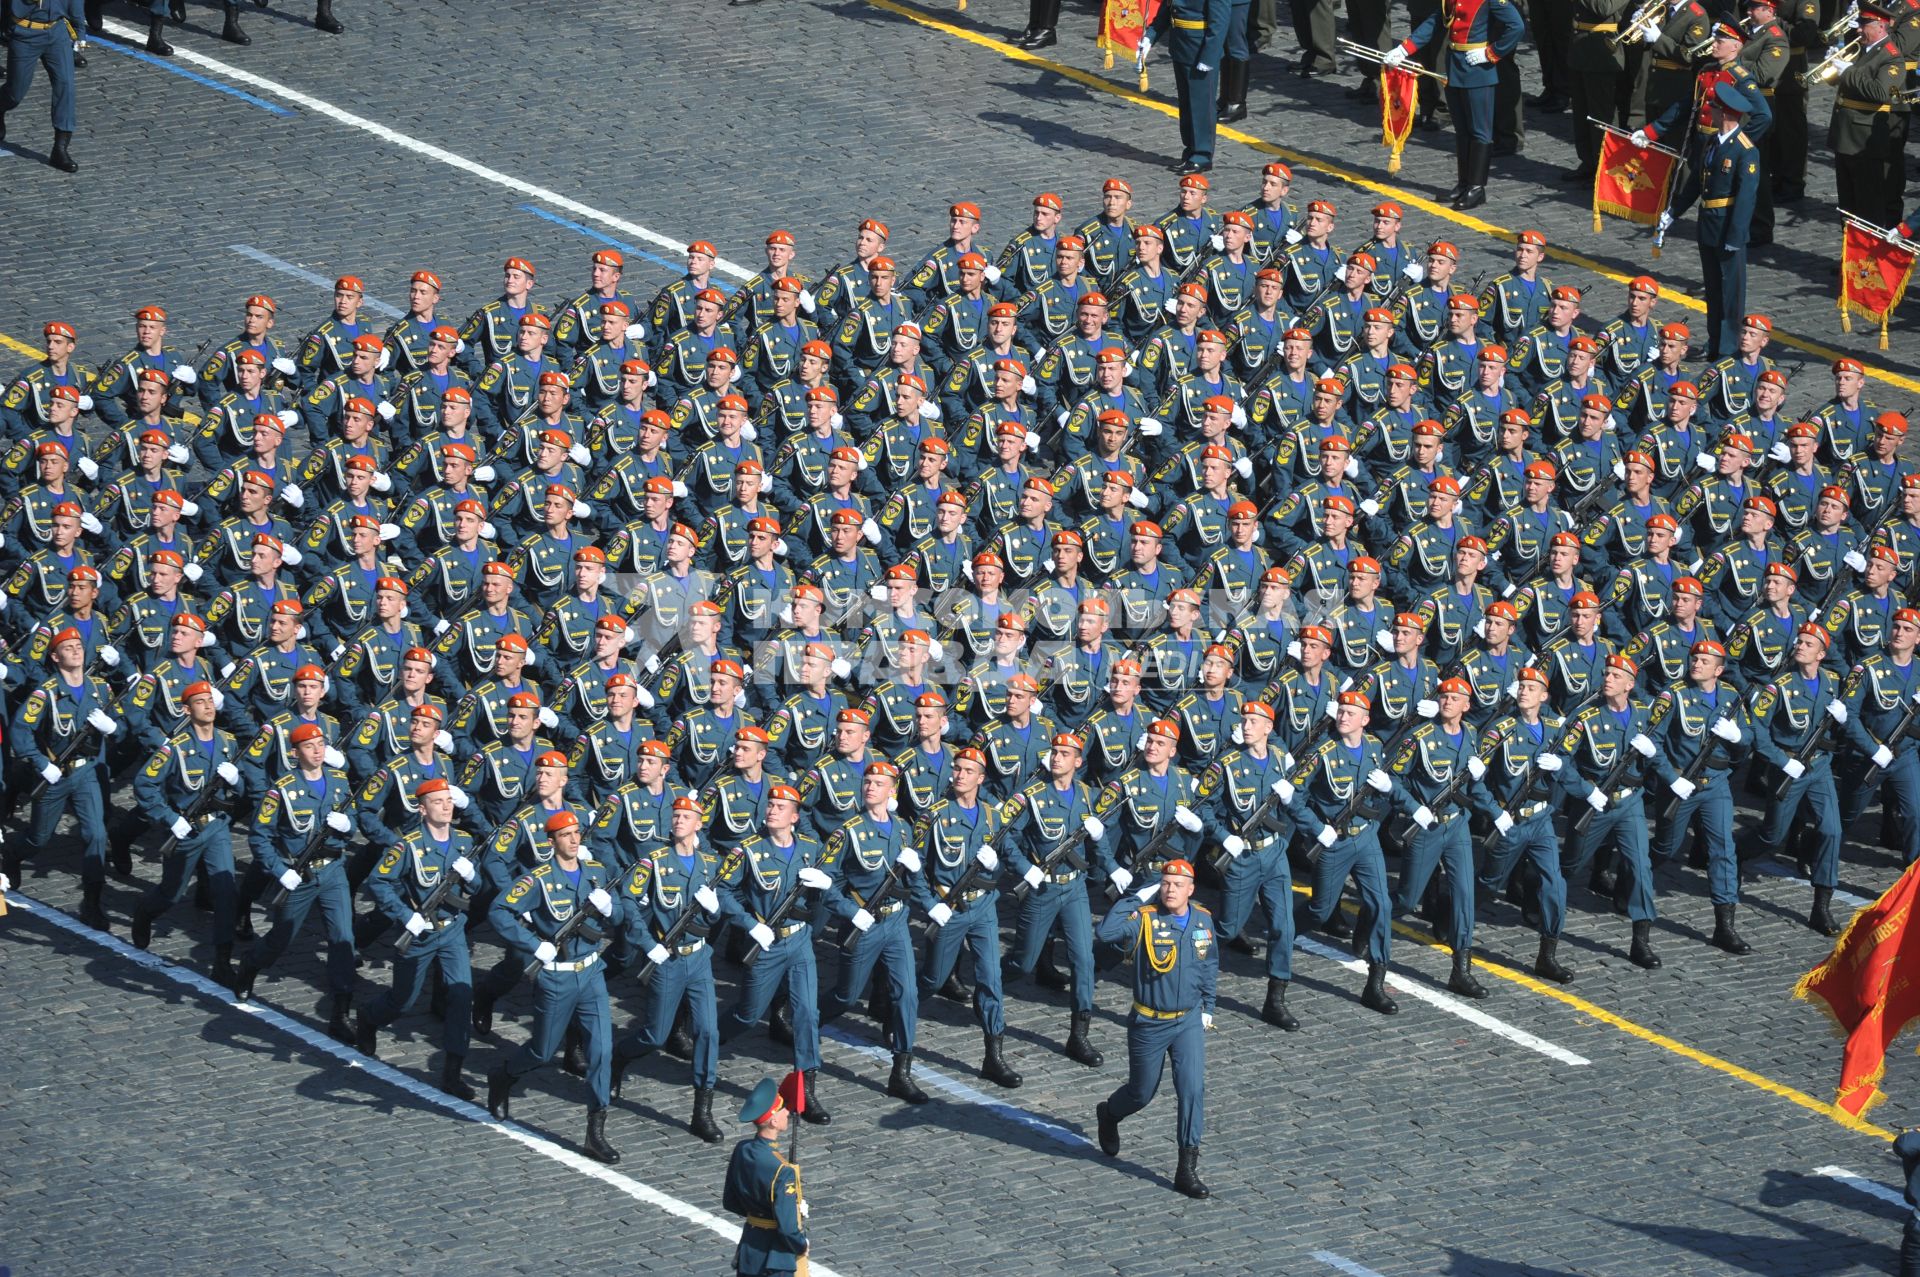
[(1874, 270), (1399, 99), (1122, 24), (1631, 181), (1869, 986)]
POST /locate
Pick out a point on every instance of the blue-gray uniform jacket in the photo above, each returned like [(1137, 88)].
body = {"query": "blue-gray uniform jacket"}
[(1593, 743), (1792, 710), (950, 836), (660, 887), (50, 715), (1235, 786), (1328, 779), (757, 875), (1683, 717), (1510, 748), (293, 814), (859, 855), (177, 775), (1879, 694), (1176, 957), (1428, 763), (1040, 818), (631, 822), (764, 1188), (1134, 806), (543, 900), (413, 868)]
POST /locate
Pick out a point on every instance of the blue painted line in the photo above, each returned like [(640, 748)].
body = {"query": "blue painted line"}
[(678, 268), (285, 267), (165, 64)]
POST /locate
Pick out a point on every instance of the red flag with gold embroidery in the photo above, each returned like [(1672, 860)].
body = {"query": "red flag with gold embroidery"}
[(1631, 182), (1122, 22), (1399, 100), (1874, 271), (1870, 985)]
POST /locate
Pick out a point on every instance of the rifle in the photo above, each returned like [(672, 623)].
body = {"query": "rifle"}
[(1066, 851), (201, 802), (1256, 820), (1608, 783), (308, 854), (777, 919), (1695, 770), (83, 731), (1144, 857), (583, 924), (968, 877), (447, 894), (1815, 743), (691, 916), (1899, 733), (1529, 776), (890, 886)]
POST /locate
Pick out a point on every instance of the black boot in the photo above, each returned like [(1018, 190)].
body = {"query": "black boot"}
[(1079, 1049), (1047, 973), (1642, 954), (92, 913), (1337, 924), (450, 1080), (337, 1027), (243, 979), (994, 1066), (141, 931), (231, 31), (573, 1056), (1821, 919), (596, 1145), (483, 1010), (120, 851), (243, 922), (177, 9), (622, 1060), (680, 1041), (879, 1005), (1462, 980), (702, 1123), (500, 1091), (1724, 936), (1240, 944), (1187, 1179), (1109, 1129), (815, 1112), (95, 11), (901, 1085), (955, 989), (1547, 966), (223, 965), (1459, 186), (366, 1036), (780, 1023), (1275, 1011), (157, 43), (1234, 74), (1375, 996), (1479, 159), (323, 17)]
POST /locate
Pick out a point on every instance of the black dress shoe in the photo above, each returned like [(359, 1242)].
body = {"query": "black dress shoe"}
[(1581, 173), (1185, 167)]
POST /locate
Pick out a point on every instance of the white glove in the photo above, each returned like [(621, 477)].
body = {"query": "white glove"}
[(911, 859), (418, 926), (1476, 768), (581, 510), (1152, 427), (1503, 823), (658, 955), (1239, 418), (1123, 878), (193, 572), (707, 899), (1423, 816), (930, 410), (1095, 828), (1640, 138), (878, 593), (1293, 236), (545, 952), (6, 884), (1243, 467), (1370, 507), (1548, 763), (1426, 707), (334, 758), (102, 722), (190, 509), (441, 626), (870, 531), (178, 454), (1682, 787), (338, 822), (229, 774), (1033, 441), (1781, 453), (461, 801), (1477, 58), (1642, 746), (389, 532), (292, 557), (1028, 386), (52, 774), (579, 455), (1855, 560), (288, 417), (110, 657), (1327, 836), (1794, 769), (182, 827), (1841, 66), (940, 914), (679, 490), (762, 935), (91, 522), (1665, 222), (1883, 758), (226, 671), (463, 867), (284, 366), (387, 413), (1203, 68), (992, 273), (1187, 819), (1597, 800), (1147, 892), (548, 718), (1706, 462), (1394, 57), (1033, 876), (185, 375), (807, 300), (815, 878), (1379, 781), (293, 496), (1137, 499), (989, 858), (485, 473), (1837, 710), (89, 467), (1727, 730), (862, 920), (290, 880), (1414, 271), (1234, 845), (602, 902), (443, 741), (1283, 790), (1384, 637)]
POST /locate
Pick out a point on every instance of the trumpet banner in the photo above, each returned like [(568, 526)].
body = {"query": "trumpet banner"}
[(1873, 278), (1122, 23), (1399, 101), (1631, 182)]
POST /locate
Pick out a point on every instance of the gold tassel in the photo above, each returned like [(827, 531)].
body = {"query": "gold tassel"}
[(1143, 81), (1883, 332), (1656, 252), (1393, 163), (1596, 221), (1846, 320), (1109, 51), (962, 6)]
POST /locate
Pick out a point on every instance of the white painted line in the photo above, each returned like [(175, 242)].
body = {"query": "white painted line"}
[(285, 267), (1774, 869), (1343, 1264), (1448, 1003), (407, 142), (1861, 1184), (192, 980), (960, 1090)]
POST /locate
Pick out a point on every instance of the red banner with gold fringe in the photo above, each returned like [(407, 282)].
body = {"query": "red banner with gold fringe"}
[(1122, 23), (1399, 101), (1874, 271), (1631, 182), (1869, 986)]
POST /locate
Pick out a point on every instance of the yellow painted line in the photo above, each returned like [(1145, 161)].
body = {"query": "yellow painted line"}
[(1297, 160), (1502, 971), (31, 352)]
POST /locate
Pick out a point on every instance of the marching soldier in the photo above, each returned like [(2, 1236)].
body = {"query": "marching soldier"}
[(1522, 770), (1698, 725), (1792, 716), (1610, 746)]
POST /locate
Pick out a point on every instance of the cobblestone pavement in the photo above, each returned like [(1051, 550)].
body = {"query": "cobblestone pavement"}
[(151, 1123)]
